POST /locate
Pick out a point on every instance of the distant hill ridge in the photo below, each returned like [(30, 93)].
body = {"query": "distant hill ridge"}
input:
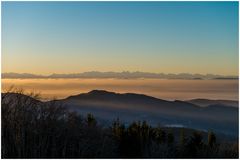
[(207, 102), (109, 95), (129, 107), (218, 115), (100, 94)]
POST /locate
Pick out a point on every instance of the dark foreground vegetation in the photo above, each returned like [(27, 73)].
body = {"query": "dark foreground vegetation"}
[(33, 129)]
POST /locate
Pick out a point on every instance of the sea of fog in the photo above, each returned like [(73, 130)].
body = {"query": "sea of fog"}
[(160, 88)]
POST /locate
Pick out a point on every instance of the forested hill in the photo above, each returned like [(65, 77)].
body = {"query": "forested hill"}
[(33, 129)]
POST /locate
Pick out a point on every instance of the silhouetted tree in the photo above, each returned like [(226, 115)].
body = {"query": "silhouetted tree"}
[(159, 135), (91, 121), (170, 138), (211, 139), (183, 138), (195, 144)]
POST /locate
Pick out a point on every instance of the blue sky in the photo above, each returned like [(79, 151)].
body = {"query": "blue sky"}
[(169, 37)]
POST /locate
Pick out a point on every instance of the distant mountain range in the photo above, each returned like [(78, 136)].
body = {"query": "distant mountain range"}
[(219, 116), (120, 75)]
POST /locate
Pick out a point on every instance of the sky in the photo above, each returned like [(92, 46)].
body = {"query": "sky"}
[(159, 37)]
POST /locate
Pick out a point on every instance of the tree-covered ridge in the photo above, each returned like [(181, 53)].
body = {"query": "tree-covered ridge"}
[(31, 129)]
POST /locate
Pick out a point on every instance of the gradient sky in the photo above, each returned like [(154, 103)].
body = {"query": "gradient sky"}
[(169, 37)]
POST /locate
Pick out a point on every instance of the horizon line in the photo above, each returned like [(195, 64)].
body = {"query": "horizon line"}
[(147, 72), (119, 75)]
